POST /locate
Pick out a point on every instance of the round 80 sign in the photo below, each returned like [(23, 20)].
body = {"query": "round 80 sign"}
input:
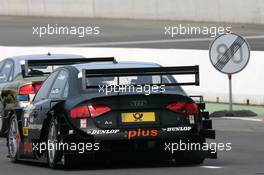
[(229, 53)]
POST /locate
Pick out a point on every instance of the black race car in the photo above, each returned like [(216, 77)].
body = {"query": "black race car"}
[(132, 109), (17, 90), (21, 78)]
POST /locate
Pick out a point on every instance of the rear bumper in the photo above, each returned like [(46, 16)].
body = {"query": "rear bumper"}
[(116, 144), (139, 139), (141, 134)]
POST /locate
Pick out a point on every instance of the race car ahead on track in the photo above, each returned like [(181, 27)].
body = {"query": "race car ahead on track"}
[(17, 90), (132, 109)]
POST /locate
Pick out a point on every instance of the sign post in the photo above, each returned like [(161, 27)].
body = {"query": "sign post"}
[(230, 93), (229, 53)]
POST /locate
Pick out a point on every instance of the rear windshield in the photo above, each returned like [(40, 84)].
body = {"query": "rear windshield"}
[(128, 81), (6, 69), (41, 70)]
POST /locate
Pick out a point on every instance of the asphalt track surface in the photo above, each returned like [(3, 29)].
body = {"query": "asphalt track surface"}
[(245, 158), (18, 31)]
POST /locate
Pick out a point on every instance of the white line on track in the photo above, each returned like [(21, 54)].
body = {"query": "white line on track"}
[(211, 167), (245, 118), (119, 43), (255, 37), (135, 42)]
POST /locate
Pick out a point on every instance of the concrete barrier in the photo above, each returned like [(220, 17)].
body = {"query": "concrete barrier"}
[(247, 85), (233, 11)]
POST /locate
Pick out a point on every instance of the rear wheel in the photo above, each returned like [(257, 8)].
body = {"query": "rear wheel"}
[(189, 160), (13, 139), (1, 125), (1, 119), (53, 155), (68, 161), (194, 157)]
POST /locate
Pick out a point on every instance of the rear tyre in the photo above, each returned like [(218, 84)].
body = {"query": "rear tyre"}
[(2, 132), (195, 157), (53, 155), (189, 160), (68, 161), (13, 139)]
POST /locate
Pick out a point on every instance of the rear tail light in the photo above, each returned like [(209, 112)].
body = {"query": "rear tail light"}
[(29, 89), (80, 112), (88, 111), (185, 108), (37, 86), (26, 89)]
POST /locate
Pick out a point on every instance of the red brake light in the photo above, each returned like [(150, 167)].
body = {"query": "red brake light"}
[(80, 112), (26, 89), (97, 110), (37, 86), (90, 111), (29, 89), (183, 108)]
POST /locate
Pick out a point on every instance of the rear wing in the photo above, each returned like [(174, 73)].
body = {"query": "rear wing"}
[(181, 70), (26, 65)]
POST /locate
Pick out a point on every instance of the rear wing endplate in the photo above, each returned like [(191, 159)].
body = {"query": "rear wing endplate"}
[(27, 64), (180, 70)]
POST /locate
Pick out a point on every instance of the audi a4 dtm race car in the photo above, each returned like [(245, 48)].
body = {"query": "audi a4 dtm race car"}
[(111, 108), (16, 89)]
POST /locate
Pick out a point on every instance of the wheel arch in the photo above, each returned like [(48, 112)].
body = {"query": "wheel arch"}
[(55, 111), (19, 115)]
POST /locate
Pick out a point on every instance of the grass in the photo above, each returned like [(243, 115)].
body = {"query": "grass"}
[(212, 107)]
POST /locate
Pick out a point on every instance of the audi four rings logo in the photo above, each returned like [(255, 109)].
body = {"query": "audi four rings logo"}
[(138, 103)]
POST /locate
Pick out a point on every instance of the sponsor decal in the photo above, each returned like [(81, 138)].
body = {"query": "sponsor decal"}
[(181, 128), (138, 116), (98, 132), (61, 77), (18, 138), (55, 90), (35, 126), (191, 118), (83, 123), (25, 131), (27, 147), (142, 133)]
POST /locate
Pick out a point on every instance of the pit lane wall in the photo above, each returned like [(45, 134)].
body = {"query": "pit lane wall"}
[(233, 11), (247, 85)]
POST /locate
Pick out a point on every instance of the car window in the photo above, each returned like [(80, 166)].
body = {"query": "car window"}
[(1, 64), (135, 80), (57, 90), (126, 80), (66, 90), (6, 71), (45, 87)]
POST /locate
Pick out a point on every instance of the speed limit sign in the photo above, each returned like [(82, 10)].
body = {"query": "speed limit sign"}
[(229, 53)]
